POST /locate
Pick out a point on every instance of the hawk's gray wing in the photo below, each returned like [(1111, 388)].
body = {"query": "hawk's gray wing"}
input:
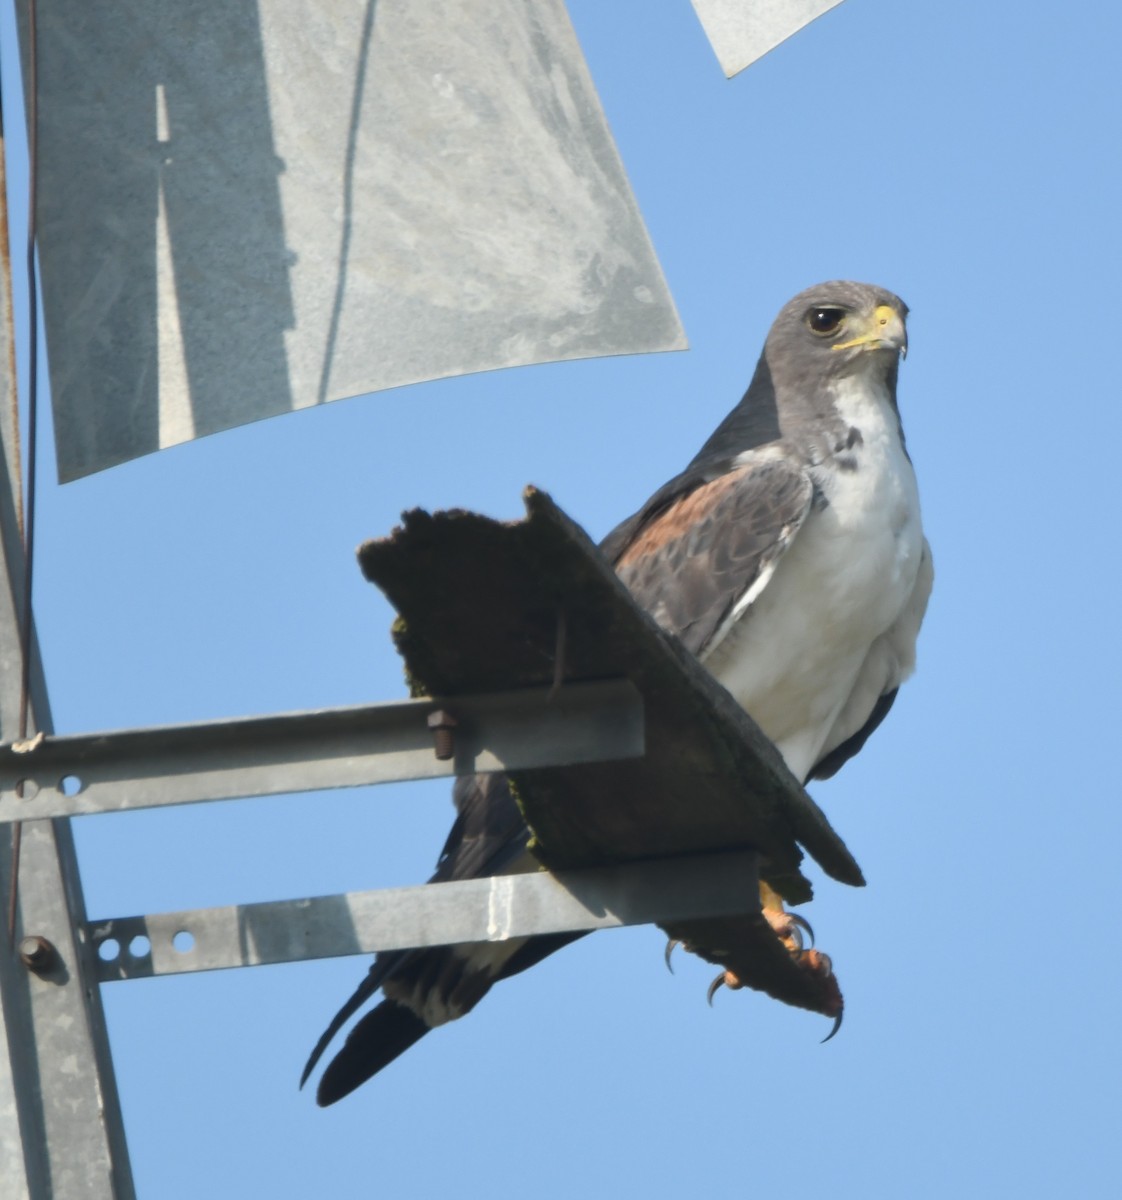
[(830, 764), (698, 558)]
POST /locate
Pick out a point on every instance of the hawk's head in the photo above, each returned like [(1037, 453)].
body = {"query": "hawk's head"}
[(835, 329)]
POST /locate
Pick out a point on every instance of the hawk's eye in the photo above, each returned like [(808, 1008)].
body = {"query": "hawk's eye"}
[(825, 320)]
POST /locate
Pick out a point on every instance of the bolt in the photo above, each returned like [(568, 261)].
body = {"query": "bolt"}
[(35, 952), (443, 726)]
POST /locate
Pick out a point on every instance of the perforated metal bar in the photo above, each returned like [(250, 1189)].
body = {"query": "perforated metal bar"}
[(305, 751), (477, 910)]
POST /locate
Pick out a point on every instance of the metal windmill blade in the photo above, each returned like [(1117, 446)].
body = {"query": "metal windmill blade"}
[(248, 209), (742, 31)]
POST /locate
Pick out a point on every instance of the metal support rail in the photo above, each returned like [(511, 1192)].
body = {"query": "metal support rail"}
[(306, 751), (477, 910)]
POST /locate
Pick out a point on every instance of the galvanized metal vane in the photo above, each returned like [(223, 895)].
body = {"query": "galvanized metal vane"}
[(741, 31), (250, 208)]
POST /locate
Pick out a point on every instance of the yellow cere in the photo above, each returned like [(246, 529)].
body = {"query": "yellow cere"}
[(882, 314)]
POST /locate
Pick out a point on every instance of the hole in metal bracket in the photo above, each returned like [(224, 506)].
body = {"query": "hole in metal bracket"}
[(183, 942)]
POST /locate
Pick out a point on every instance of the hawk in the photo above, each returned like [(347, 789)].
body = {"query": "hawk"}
[(789, 556)]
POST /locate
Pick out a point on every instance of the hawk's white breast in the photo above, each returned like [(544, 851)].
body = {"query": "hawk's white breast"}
[(824, 630)]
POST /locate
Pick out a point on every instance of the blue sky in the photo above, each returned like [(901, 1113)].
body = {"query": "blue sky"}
[(963, 155)]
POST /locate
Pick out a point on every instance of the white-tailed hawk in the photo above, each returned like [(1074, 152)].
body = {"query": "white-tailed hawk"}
[(788, 556)]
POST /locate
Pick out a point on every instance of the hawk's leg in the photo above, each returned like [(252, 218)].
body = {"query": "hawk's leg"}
[(788, 927)]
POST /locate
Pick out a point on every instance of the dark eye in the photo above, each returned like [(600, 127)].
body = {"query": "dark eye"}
[(825, 320)]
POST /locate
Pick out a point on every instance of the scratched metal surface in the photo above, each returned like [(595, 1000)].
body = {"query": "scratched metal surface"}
[(248, 209)]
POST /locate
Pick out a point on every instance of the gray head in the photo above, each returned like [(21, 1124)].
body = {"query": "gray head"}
[(826, 332), (834, 329)]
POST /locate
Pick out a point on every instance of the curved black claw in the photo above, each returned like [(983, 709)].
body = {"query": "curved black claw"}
[(803, 923), (717, 983), (669, 951), (837, 1026)]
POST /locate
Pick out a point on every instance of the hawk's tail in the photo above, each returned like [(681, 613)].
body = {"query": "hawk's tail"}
[(381, 1035), (382, 968)]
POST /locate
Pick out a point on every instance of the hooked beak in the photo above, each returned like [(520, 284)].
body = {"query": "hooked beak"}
[(883, 331)]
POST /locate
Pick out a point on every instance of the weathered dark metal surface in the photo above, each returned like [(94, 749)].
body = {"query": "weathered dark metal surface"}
[(488, 605)]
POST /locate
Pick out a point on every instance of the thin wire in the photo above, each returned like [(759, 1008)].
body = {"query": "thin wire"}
[(29, 455)]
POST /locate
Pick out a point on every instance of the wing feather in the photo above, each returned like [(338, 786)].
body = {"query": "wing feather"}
[(706, 554)]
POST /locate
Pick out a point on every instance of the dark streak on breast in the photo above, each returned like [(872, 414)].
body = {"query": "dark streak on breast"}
[(842, 460)]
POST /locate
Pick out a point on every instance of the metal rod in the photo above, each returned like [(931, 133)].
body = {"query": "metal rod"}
[(61, 1132)]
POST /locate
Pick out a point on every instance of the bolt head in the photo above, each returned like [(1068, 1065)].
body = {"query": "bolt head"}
[(35, 952)]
